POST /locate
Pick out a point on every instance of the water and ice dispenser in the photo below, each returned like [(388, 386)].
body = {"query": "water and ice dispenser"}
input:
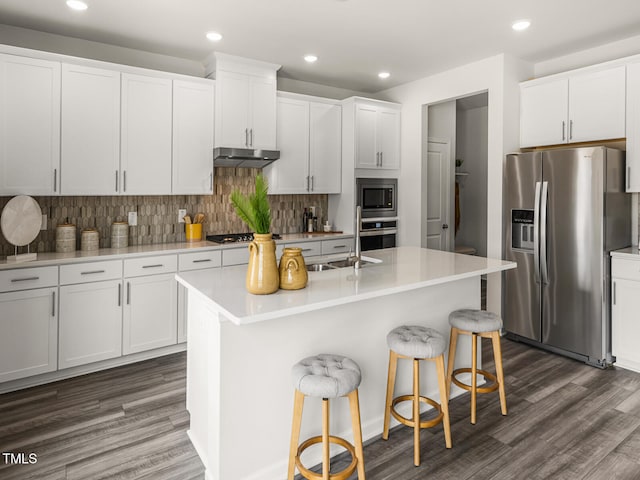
[(522, 230)]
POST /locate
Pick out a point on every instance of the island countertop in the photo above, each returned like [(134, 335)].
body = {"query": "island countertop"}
[(400, 269)]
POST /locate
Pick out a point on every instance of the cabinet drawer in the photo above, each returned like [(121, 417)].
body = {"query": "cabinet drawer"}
[(137, 267), (309, 249), (625, 268), (199, 260), (27, 278), (90, 272), (339, 245), (235, 256)]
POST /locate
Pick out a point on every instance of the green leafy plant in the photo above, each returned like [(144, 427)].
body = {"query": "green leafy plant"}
[(254, 210)]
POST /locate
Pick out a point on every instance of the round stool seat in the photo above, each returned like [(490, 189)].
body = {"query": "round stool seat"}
[(477, 321), (326, 376), (416, 342)]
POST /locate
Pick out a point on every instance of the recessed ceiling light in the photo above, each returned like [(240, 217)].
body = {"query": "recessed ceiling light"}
[(310, 58), (214, 36), (384, 74), (521, 25), (77, 5)]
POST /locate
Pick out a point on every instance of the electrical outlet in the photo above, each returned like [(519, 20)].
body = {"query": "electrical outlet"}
[(43, 224), (181, 213), (133, 219)]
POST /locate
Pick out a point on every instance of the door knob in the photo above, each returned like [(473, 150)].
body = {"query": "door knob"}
[(445, 226)]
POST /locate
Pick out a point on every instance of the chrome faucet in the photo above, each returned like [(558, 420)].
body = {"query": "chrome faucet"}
[(358, 254)]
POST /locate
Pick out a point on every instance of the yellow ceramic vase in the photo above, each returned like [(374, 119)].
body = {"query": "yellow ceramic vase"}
[(262, 273), (293, 271)]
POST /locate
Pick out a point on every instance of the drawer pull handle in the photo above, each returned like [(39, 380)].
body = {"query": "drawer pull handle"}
[(307, 249), (153, 266), (202, 260), (91, 272), (119, 294), (53, 303), (339, 246), (128, 293), (26, 279)]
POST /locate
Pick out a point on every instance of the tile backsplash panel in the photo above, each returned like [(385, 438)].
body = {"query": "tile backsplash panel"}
[(158, 215)]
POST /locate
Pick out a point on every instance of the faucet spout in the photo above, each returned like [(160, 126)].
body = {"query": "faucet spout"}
[(358, 253)]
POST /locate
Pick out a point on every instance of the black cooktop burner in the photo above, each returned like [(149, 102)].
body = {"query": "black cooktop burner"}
[(235, 237)]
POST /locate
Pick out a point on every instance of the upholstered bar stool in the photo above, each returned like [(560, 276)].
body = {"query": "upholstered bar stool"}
[(416, 343), (326, 376), (476, 323)]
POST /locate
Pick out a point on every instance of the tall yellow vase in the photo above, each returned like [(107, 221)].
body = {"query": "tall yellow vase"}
[(263, 276)]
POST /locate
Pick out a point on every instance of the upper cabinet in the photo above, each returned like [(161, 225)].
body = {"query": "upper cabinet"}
[(633, 128), (90, 131), (309, 140), (245, 103), (29, 126), (574, 108), (377, 134), (193, 137)]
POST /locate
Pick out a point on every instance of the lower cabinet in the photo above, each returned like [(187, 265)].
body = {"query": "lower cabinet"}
[(90, 323), (625, 323), (28, 333)]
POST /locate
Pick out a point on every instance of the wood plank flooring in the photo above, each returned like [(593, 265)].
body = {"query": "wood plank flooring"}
[(566, 421)]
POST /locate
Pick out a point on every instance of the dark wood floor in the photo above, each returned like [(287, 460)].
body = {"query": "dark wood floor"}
[(566, 421)]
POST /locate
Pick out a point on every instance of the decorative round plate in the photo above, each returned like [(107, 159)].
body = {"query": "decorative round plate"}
[(21, 220)]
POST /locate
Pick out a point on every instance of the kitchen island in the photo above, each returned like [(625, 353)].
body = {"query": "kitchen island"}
[(241, 348)]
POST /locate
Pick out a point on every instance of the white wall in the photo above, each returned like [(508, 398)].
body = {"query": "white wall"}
[(310, 88)]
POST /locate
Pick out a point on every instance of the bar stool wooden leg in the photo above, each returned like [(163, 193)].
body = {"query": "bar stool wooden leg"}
[(298, 403), (416, 412), (391, 381), (326, 459), (354, 405), (444, 400), (453, 342), (497, 355), (474, 376)]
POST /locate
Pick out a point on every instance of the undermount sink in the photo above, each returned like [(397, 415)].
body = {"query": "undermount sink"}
[(332, 265), (319, 267)]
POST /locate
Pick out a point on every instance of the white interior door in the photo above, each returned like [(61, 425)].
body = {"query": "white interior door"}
[(438, 186)]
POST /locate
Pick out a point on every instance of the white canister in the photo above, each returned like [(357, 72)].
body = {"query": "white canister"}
[(89, 240), (65, 238), (119, 235)]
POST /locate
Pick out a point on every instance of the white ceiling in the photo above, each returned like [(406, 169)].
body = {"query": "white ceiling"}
[(354, 39)]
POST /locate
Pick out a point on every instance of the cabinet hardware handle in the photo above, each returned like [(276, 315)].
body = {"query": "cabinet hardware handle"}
[(202, 260), (564, 136), (614, 293), (312, 183), (246, 137), (53, 303), (251, 137), (381, 158), (628, 178), (128, 293), (153, 266), (119, 294), (377, 158), (116, 180), (55, 179), (211, 181), (307, 183), (306, 249), (124, 181), (25, 279), (570, 129), (91, 272), (339, 246)]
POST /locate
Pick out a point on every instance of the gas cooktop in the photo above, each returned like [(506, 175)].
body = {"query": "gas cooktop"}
[(235, 237)]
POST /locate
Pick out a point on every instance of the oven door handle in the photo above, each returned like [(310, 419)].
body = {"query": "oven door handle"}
[(377, 232)]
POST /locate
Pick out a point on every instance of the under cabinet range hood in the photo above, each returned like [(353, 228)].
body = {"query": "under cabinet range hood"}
[(243, 157)]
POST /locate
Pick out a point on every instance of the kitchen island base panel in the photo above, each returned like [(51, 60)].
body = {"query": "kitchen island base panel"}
[(239, 391)]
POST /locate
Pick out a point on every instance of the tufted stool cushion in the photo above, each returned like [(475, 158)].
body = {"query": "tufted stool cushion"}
[(416, 341), (477, 321), (326, 376)]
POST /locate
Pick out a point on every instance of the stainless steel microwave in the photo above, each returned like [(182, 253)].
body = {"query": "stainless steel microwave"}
[(378, 197)]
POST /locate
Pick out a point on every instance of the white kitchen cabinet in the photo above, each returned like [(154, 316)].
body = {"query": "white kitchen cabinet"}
[(338, 245), (90, 137), (625, 323), (90, 322), (28, 333), (29, 126), (633, 128), (325, 147), (193, 114), (377, 132), (574, 108), (145, 153)]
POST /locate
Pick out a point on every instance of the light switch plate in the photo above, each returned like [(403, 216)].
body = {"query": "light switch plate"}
[(181, 213), (133, 219)]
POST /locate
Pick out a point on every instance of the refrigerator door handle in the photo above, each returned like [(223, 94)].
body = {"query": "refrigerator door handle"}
[(536, 234), (543, 233)]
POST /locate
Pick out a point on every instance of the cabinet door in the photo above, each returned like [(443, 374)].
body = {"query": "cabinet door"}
[(290, 173), (145, 155), (597, 105), (29, 126), (232, 110), (633, 128), (28, 333), (543, 113), (183, 308), (150, 313), (625, 324), (366, 148), (192, 137), (90, 323), (325, 147), (388, 138), (90, 131), (262, 112)]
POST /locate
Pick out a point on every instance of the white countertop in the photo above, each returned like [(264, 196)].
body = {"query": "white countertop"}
[(401, 269), (629, 252), (53, 258)]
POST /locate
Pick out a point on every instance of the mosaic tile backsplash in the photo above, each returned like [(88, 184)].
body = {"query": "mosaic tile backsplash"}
[(158, 215)]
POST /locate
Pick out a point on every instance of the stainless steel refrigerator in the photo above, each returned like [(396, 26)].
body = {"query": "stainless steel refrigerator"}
[(564, 211)]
